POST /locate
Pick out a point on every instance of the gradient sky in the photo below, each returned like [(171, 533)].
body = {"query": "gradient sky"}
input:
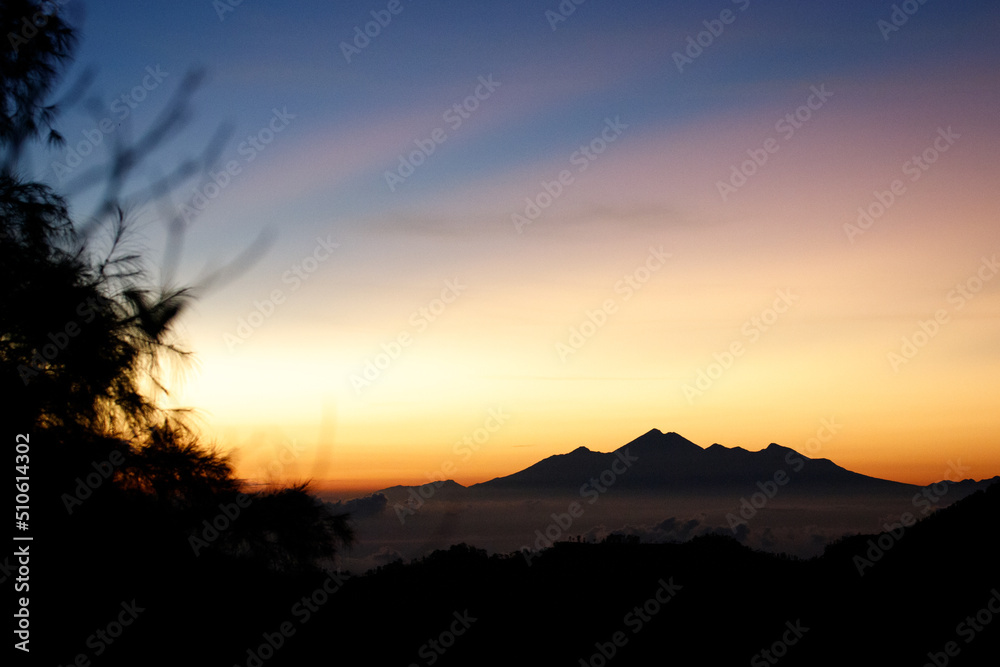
[(677, 271)]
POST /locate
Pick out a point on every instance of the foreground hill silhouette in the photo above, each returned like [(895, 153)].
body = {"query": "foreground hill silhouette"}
[(888, 598)]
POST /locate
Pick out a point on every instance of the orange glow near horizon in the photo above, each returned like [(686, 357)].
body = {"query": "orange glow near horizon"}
[(414, 453)]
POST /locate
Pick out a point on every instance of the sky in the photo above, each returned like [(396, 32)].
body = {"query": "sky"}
[(501, 231)]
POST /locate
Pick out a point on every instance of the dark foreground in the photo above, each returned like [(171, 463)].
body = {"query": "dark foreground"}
[(927, 595)]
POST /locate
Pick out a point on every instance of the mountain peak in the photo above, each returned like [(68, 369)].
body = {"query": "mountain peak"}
[(656, 440)]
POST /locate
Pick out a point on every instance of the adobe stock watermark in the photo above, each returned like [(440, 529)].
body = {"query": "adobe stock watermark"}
[(454, 116), (928, 329), (419, 320), (581, 159), (779, 649), (768, 489), (926, 501), (899, 17), (893, 532), (296, 275), (229, 512), (120, 109), (85, 486), (786, 126), (433, 649), (285, 453), (302, 611), (751, 331), (968, 629), (563, 11), (223, 7), (8, 569), (29, 27), (363, 35), (595, 319), (635, 620), (464, 448), (592, 491), (220, 523), (22, 623), (102, 638), (59, 340), (248, 149), (914, 168), (714, 28)]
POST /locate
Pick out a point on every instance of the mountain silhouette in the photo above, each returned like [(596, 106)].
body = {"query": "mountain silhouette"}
[(668, 463)]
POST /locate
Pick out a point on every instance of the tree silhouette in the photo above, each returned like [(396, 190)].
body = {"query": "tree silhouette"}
[(86, 336)]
